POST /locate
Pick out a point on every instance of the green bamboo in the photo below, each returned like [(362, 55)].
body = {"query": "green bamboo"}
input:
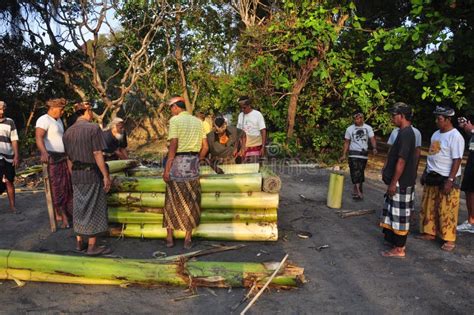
[(210, 231), (143, 171), (271, 182), (121, 165), (232, 168), (125, 215), (210, 183), (29, 266), (255, 200), (34, 169)]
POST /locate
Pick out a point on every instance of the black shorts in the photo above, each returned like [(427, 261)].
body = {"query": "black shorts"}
[(7, 170), (357, 169), (467, 184)]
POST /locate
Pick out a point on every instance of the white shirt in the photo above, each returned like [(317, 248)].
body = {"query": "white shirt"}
[(394, 135), (53, 139), (444, 148), (359, 139), (252, 123)]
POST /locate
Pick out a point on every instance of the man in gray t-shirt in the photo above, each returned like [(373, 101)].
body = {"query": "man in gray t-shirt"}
[(356, 146)]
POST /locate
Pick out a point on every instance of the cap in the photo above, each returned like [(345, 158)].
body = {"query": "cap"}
[(178, 101), (357, 113), (56, 102), (444, 111), (115, 121), (401, 108), (82, 105)]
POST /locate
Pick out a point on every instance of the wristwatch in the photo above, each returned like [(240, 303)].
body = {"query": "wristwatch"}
[(451, 179)]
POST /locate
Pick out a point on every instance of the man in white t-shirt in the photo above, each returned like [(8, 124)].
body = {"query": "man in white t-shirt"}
[(441, 180), (251, 121), (49, 140), (356, 146)]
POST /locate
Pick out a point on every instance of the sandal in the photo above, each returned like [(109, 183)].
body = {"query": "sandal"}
[(448, 247), (81, 247), (101, 250), (392, 254), (188, 245)]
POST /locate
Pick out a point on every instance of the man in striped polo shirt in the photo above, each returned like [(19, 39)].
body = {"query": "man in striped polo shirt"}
[(188, 146), (9, 155)]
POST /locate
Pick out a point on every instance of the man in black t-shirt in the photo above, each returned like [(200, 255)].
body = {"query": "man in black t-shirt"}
[(399, 173)]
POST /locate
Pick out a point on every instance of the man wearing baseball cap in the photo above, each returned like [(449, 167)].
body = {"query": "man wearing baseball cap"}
[(399, 174), (442, 179), (356, 143), (49, 141)]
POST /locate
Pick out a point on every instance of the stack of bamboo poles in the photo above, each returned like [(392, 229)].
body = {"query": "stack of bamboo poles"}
[(239, 205)]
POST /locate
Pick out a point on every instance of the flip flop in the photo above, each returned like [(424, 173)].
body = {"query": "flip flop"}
[(390, 254), (448, 247), (102, 250)]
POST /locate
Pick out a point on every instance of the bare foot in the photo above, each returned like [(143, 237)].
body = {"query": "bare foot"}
[(397, 252), (448, 246), (425, 237)]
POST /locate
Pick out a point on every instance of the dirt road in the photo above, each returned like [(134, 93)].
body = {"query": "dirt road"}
[(349, 276)]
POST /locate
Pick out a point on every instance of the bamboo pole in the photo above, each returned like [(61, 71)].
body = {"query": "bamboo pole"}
[(49, 199), (255, 200), (29, 266), (222, 183), (121, 165), (125, 215), (212, 231), (232, 168), (271, 182)]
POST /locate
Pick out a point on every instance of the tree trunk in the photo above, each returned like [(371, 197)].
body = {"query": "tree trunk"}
[(302, 78), (179, 62)]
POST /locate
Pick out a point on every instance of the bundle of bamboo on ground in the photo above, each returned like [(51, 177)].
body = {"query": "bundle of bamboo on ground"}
[(239, 205), (29, 266)]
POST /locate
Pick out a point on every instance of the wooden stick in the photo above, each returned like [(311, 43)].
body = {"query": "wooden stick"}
[(349, 213), (49, 199), (265, 286)]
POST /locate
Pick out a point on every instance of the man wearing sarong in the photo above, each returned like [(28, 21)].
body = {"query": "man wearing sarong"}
[(226, 143), (399, 174), (49, 140), (356, 144), (9, 156), (83, 143), (115, 139), (187, 147), (441, 180), (252, 122), (468, 179)]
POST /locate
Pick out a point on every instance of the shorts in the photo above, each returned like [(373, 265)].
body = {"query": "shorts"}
[(7, 170)]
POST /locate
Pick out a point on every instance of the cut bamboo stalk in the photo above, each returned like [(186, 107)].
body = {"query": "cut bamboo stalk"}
[(35, 169), (49, 198), (210, 231), (255, 200), (143, 171), (232, 168), (271, 182), (221, 183), (124, 215), (121, 165), (29, 266)]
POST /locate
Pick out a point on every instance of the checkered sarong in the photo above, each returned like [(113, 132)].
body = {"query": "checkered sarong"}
[(397, 209), (90, 215)]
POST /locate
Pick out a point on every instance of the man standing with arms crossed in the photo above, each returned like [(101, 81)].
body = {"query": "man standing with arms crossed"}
[(9, 154), (399, 174), (49, 140)]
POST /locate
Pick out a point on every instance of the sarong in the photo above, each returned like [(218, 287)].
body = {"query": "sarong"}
[(90, 215), (253, 151), (396, 212), (439, 212), (61, 186), (182, 209), (357, 169)]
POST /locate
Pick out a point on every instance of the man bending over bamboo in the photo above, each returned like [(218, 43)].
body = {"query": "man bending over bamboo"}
[(84, 143), (188, 146)]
